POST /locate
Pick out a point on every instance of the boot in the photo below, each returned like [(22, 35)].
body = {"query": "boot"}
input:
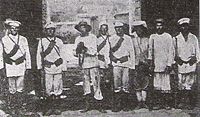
[(100, 107), (87, 104), (116, 106)]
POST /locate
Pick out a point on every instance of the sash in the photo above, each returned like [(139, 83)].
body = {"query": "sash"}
[(52, 45), (123, 59), (7, 56), (100, 46), (117, 45)]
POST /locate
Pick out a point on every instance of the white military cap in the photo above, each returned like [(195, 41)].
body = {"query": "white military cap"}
[(118, 24), (183, 20), (138, 23), (103, 23), (8, 21), (13, 23), (50, 25)]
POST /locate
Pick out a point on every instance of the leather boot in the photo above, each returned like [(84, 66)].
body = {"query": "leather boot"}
[(87, 104)]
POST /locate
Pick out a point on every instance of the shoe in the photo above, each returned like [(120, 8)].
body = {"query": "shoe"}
[(48, 113), (102, 111), (57, 112), (85, 110), (139, 106), (144, 105)]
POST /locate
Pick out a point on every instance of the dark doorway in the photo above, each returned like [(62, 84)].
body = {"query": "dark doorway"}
[(171, 10)]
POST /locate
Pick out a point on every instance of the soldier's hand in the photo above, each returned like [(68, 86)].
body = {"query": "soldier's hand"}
[(193, 60), (168, 69), (52, 44)]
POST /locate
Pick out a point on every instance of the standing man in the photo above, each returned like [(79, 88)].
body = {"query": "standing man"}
[(187, 57), (17, 64), (103, 48), (141, 79), (50, 64), (87, 51), (161, 57), (123, 59)]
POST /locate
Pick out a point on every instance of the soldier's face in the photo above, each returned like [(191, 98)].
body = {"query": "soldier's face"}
[(104, 29), (184, 28), (119, 31), (82, 29), (50, 32), (13, 30), (159, 28)]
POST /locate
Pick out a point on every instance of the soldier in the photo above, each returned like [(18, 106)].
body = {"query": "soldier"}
[(87, 51), (50, 63), (161, 58), (141, 80), (103, 48), (187, 56), (123, 59), (17, 64)]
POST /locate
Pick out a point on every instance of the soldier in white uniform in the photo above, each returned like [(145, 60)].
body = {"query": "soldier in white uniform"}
[(187, 56), (161, 52), (50, 64), (87, 51), (17, 63), (141, 80), (123, 59)]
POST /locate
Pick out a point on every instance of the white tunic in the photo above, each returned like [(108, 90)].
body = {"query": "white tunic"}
[(52, 56), (90, 42), (126, 49), (186, 49), (8, 44), (163, 51), (104, 51)]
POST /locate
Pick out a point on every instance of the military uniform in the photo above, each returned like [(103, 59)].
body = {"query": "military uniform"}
[(52, 63), (90, 66), (163, 51), (123, 59), (16, 62)]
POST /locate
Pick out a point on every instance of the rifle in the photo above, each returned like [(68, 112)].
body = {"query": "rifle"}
[(110, 69), (175, 74), (42, 75)]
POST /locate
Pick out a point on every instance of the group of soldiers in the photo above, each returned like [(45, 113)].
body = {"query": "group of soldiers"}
[(148, 62)]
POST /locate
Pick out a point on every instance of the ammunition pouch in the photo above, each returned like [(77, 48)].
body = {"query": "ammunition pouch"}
[(58, 62), (20, 60), (101, 57), (123, 59), (47, 63)]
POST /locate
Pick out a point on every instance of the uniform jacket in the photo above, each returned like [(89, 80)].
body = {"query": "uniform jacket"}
[(186, 49), (54, 55), (90, 42), (8, 42), (161, 47), (126, 49), (103, 51)]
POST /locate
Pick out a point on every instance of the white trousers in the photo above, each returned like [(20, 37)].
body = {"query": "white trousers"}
[(186, 81), (16, 84), (121, 78), (162, 81), (92, 74), (53, 84)]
